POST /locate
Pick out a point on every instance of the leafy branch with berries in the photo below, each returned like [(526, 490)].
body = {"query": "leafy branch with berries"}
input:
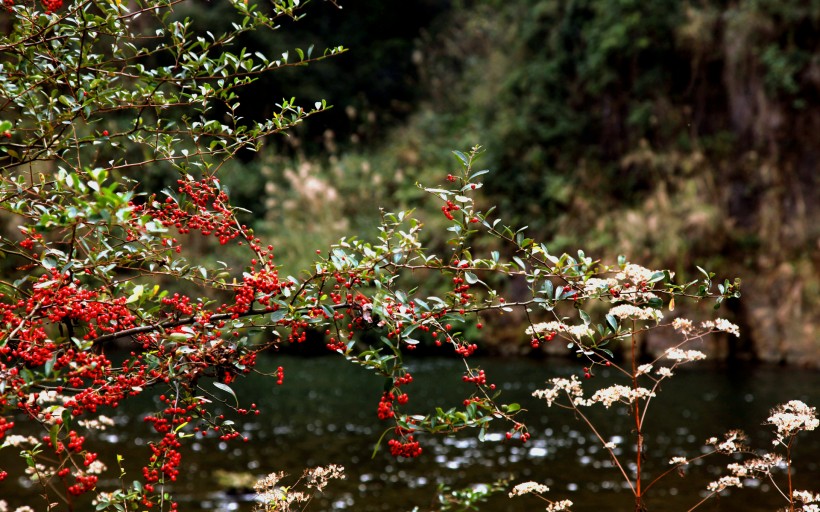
[(104, 297)]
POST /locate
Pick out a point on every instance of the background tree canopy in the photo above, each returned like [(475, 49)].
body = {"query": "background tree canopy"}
[(670, 131)]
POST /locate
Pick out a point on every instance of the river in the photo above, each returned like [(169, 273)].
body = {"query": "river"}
[(325, 413)]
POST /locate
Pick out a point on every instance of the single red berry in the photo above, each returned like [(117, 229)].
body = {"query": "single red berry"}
[(105, 133)]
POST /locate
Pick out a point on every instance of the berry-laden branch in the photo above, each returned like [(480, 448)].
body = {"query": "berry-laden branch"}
[(98, 258)]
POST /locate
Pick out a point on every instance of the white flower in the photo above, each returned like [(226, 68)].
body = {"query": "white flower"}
[(96, 468), (528, 487), (595, 285), (724, 482), (685, 356), (644, 369), (571, 386), (559, 506), (547, 327), (806, 496), (636, 313), (635, 273), (17, 441), (732, 442), (318, 477), (682, 325), (664, 372), (616, 393), (720, 324), (792, 417), (576, 331), (675, 461)]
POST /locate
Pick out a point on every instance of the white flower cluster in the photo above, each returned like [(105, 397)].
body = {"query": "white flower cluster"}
[(527, 488), (618, 393), (633, 312), (644, 369), (635, 273), (806, 496), (318, 477), (96, 468), (40, 472), (664, 372), (274, 497), (761, 465), (792, 417), (18, 441), (595, 285), (720, 324), (682, 325), (576, 331), (4, 507), (571, 386), (724, 482), (685, 356), (732, 442), (678, 461), (559, 506)]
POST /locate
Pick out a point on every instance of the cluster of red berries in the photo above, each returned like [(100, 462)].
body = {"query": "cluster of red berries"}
[(479, 379), (385, 408), (409, 448), (85, 483), (448, 208), (280, 375), (208, 211), (465, 349), (52, 5), (536, 341), (4, 426), (518, 428)]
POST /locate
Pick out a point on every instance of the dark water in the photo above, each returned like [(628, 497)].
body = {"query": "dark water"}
[(326, 413)]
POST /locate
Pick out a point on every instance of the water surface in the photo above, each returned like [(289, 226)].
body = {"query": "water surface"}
[(326, 413)]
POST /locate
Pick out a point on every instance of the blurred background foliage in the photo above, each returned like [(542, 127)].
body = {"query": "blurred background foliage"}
[(674, 132)]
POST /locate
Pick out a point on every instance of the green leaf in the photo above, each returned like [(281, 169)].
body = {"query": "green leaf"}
[(227, 389), (613, 322), (278, 315), (657, 276), (461, 156)]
